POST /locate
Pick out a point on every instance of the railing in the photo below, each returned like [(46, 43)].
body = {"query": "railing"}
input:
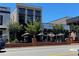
[(4, 9)]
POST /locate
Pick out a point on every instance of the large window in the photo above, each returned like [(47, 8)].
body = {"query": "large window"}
[(29, 15), (21, 15), (1, 19), (38, 18), (29, 18), (21, 10), (29, 12), (37, 15), (21, 19)]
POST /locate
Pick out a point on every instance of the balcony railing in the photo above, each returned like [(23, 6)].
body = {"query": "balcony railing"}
[(4, 9), (3, 26)]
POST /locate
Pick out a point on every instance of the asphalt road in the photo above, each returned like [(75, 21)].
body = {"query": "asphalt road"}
[(61, 50)]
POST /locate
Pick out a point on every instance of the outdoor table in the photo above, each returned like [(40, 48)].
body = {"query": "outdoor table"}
[(51, 36), (41, 36), (25, 35), (46, 37), (60, 37), (57, 38), (25, 38)]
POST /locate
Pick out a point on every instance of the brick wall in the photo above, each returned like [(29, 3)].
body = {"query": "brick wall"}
[(38, 44)]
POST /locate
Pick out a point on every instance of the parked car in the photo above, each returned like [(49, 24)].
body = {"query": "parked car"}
[(2, 44)]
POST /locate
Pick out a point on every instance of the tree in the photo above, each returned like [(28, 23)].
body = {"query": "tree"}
[(13, 29), (72, 26), (75, 27), (58, 28), (33, 28)]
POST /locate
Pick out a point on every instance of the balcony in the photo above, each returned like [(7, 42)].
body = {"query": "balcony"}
[(4, 8), (3, 27)]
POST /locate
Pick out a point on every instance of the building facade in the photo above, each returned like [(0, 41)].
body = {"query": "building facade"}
[(60, 21), (24, 13), (66, 21), (46, 26), (4, 22)]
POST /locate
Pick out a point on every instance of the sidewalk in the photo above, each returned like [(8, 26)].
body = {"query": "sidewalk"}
[(58, 50)]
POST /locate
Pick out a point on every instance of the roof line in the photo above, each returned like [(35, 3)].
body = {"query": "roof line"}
[(59, 19), (28, 5)]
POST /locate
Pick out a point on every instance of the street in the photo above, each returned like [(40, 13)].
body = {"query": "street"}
[(60, 50)]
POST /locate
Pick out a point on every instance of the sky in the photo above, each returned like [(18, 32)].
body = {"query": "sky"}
[(52, 11)]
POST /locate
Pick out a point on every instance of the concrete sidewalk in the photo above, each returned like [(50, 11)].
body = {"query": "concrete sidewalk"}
[(61, 50)]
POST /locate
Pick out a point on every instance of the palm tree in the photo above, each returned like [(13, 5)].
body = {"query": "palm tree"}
[(33, 28), (13, 29)]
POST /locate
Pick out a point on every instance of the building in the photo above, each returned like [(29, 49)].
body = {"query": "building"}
[(63, 21), (46, 26), (24, 13), (66, 21), (4, 22), (60, 21)]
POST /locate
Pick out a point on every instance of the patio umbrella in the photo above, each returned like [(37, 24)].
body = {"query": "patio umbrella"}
[(40, 34), (25, 34), (60, 34), (51, 35)]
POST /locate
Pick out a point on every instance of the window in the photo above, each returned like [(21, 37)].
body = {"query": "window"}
[(1, 19), (29, 18), (29, 12), (37, 18), (21, 10), (38, 13), (21, 19), (29, 15)]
